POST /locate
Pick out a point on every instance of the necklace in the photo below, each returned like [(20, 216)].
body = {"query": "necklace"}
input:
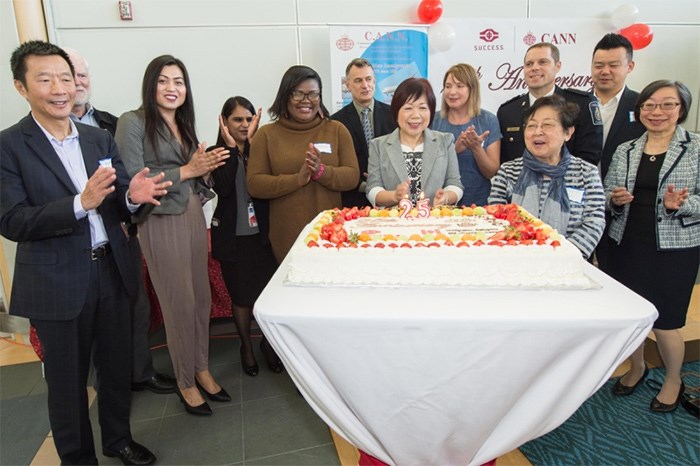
[(652, 158)]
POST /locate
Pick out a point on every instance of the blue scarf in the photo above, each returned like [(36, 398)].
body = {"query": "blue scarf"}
[(555, 210)]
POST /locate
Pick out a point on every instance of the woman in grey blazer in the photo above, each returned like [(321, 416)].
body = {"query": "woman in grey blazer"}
[(161, 135), (413, 162), (652, 190)]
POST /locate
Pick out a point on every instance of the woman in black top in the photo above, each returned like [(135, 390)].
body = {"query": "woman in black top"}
[(239, 229)]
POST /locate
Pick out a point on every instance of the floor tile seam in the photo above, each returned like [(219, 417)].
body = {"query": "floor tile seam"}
[(298, 450), (271, 397), (242, 421)]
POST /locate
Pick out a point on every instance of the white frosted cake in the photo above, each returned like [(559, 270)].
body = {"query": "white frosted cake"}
[(492, 246)]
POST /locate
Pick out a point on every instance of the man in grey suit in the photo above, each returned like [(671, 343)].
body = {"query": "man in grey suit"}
[(611, 64), (63, 194), (365, 118), (143, 374)]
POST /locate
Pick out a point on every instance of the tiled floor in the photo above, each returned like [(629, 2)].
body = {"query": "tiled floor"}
[(267, 422)]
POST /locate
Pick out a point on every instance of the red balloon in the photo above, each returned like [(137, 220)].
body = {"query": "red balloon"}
[(429, 11), (639, 35)]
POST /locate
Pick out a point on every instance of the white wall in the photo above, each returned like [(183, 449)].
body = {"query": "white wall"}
[(243, 46)]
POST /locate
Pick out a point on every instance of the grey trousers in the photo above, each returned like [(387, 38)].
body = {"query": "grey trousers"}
[(176, 252)]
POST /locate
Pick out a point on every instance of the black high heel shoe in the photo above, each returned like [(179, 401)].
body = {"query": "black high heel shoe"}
[(659, 407), (624, 390), (199, 410), (220, 396), (273, 361), (249, 370)]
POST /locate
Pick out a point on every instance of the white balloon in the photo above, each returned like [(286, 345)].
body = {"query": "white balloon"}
[(624, 15), (441, 37)]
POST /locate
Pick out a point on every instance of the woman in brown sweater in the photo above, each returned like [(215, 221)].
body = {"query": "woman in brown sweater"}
[(302, 161)]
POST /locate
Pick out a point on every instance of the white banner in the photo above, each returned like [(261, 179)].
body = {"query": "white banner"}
[(496, 48), (396, 53)]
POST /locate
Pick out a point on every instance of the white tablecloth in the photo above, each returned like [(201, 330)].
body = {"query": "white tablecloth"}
[(449, 377)]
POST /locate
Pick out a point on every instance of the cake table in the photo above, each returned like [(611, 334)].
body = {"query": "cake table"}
[(426, 376)]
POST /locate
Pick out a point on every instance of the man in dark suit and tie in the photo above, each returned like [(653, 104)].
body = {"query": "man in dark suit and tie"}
[(63, 194), (365, 118), (612, 62), (540, 69), (143, 374)]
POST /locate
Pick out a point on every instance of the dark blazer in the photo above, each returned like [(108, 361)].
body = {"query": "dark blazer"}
[(105, 120), (223, 226), (52, 267), (586, 143), (624, 128), (383, 124)]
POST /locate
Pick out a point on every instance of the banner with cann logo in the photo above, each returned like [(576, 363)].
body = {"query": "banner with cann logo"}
[(396, 53), (496, 48)]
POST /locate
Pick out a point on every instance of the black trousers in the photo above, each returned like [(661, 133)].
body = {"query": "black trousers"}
[(103, 330), (142, 362)]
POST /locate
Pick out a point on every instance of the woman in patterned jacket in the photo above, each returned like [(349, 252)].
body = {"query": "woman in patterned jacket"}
[(551, 183), (653, 192)]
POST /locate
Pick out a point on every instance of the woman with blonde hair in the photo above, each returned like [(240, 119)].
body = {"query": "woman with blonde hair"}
[(476, 132)]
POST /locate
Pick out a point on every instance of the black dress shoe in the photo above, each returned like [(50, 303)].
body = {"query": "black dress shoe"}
[(199, 410), (273, 361), (624, 390), (659, 407), (249, 370), (158, 383), (220, 396), (133, 453)]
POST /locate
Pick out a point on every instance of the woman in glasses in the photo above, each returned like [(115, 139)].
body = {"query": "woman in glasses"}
[(652, 190), (239, 228), (302, 161), (549, 182)]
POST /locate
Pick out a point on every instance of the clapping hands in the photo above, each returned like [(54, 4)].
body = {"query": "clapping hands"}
[(468, 139), (202, 162)]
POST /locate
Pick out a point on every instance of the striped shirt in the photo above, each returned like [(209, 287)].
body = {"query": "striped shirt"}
[(586, 218)]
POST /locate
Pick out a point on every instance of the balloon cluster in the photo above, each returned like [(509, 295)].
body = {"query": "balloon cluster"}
[(624, 18), (441, 35)]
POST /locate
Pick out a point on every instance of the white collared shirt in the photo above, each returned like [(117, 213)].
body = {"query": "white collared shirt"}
[(533, 98), (608, 111), (71, 156)]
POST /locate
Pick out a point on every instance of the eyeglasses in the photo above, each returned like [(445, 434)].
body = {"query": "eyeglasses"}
[(546, 127), (298, 96), (241, 119), (665, 106)]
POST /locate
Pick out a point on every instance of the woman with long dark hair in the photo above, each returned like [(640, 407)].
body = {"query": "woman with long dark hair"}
[(239, 229), (161, 135)]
